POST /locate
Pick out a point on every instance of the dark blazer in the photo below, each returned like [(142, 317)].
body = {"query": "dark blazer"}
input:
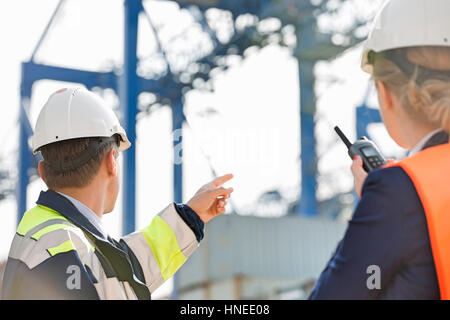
[(387, 230)]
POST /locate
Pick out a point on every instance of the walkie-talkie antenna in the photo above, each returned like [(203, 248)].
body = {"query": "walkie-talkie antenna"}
[(343, 137)]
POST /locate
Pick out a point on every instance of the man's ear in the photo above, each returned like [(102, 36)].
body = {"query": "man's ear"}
[(385, 96), (111, 162), (41, 170)]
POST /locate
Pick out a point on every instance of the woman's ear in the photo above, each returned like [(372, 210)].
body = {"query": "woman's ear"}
[(385, 97)]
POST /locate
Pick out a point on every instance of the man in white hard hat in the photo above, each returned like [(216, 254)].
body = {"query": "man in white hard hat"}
[(60, 250), (397, 244)]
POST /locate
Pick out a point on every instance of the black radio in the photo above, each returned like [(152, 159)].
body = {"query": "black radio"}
[(366, 149)]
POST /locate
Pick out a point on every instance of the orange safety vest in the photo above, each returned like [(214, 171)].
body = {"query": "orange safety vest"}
[(429, 171)]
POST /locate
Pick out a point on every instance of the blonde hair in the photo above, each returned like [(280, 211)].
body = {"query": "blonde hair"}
[(429, 101)]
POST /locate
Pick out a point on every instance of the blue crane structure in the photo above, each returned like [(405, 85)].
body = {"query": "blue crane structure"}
[(312, 46)]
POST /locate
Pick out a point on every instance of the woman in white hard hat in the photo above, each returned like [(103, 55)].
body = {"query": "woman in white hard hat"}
[(397, 245)]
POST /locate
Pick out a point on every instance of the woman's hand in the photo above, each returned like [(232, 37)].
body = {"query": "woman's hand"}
[(359, 174), (210, 200)]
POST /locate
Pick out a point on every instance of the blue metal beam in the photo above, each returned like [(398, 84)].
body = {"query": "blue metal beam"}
[(33, 72), (129, 91), (308, 201), (177, 126)]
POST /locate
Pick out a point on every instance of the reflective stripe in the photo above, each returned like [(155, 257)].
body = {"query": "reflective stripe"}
[(137, 242), (50, 228), (44, 233), (31, 247), (36, 216), (63, 247), (148, 252), (163, 242), (28, 251), (47, 223), (185, 236)]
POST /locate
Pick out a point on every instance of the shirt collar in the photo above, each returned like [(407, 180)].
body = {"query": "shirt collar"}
[(66, 208), (421, 144), (88, 213)]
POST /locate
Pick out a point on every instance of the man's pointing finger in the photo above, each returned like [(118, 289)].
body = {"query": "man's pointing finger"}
[(221, 180)]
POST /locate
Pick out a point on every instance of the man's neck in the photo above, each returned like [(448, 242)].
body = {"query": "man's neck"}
[(90, 196)]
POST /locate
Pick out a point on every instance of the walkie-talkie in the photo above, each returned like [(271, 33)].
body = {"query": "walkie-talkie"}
[(366, 149)]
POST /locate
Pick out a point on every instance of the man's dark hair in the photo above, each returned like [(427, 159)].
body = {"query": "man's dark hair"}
[(74, 163)]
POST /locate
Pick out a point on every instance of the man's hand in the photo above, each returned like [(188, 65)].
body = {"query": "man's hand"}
[(210, 200)]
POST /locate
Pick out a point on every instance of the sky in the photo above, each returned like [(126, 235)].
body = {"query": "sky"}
[(254, 133)]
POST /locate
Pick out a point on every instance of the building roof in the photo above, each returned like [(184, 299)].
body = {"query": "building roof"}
[(287, 248)]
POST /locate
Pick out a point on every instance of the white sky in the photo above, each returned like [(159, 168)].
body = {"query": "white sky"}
[(255, 134)]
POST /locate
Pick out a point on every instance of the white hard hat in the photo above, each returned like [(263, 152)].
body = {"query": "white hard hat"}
[(408, 23), (76, 113)]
